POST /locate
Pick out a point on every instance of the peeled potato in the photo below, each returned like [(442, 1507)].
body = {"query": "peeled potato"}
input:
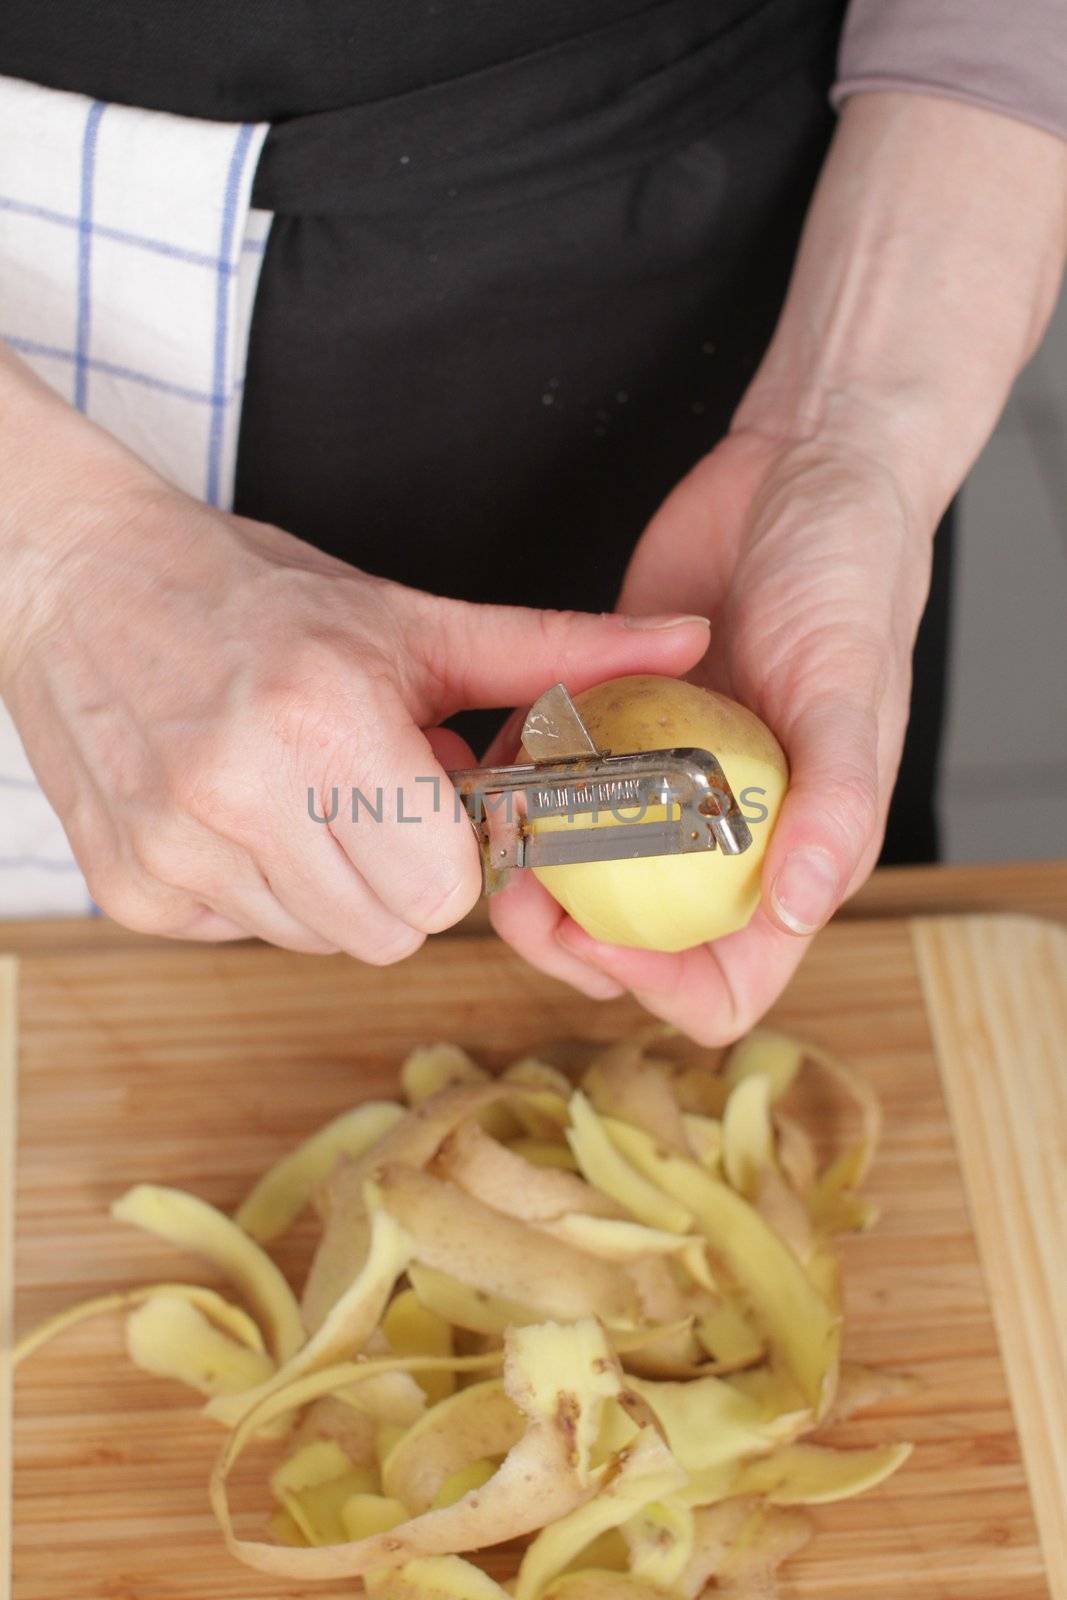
[(673, 902)]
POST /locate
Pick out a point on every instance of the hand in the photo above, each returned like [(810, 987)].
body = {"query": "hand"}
[(181, 678), (922, 286), (814, 571)]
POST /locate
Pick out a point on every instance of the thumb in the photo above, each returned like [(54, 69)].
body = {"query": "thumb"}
[(450, 750), (830, 827), (508, 655)]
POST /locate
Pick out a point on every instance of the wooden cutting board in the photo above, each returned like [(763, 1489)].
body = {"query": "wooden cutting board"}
[(198, 1066)]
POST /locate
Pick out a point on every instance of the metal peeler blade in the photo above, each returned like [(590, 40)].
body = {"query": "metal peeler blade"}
[(554, 730)]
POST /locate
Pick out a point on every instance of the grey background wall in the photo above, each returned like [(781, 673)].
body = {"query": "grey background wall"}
[(1004, 773)]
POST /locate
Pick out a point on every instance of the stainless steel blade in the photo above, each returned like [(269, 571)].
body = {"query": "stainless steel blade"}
[(554, 730), (626, 843)]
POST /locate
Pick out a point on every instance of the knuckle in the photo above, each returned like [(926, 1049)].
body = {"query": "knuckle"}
[(439, 639), (320, 725), (392, 948), (438, 901), (556, 630), (222, 797), (120, 898), (855, 807), (298, 709), (111, 891), (326, 687), (157, 849), (307, 944), (196, 785), (715, 1035), (724, 1026), (741, 1017)]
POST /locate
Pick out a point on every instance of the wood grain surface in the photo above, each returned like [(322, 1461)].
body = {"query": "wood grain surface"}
[(1037, 888), (8, 1080), (996, 995), (198, 1067)]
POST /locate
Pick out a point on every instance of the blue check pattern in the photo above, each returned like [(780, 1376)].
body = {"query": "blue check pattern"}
[(129, 255)]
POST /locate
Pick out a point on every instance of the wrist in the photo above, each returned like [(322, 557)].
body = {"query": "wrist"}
[(929, 267), (871, 428)]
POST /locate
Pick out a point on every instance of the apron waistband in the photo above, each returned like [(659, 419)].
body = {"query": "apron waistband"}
[(557, 118)]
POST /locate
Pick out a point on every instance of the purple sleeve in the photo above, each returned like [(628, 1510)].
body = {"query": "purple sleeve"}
[(1007, 55)]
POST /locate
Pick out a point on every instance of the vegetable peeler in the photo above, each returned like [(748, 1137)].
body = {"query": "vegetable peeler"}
[(570, 777)]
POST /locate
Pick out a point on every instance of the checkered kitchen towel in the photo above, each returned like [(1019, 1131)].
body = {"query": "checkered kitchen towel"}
[(128, 266)]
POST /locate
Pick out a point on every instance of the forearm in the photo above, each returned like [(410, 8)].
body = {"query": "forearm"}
[(50, 453), (64, 481), (927, 273)]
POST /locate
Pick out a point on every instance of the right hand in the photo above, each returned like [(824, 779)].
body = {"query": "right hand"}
[(181, 678)]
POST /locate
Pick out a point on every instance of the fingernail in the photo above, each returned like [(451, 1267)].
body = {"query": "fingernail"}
[(805, 891), (671, 620)]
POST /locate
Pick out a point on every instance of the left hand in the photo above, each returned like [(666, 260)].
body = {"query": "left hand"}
[(814, 570), (921, 288)]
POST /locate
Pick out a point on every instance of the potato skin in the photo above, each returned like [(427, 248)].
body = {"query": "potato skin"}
[(672, 903)]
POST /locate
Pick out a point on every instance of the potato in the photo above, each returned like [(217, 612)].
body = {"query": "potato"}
[(673, 902)]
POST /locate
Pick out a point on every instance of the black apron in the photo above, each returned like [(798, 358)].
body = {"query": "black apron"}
[(525, 260)]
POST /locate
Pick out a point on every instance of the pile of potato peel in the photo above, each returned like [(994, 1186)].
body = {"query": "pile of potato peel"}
[(604, 1320)]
